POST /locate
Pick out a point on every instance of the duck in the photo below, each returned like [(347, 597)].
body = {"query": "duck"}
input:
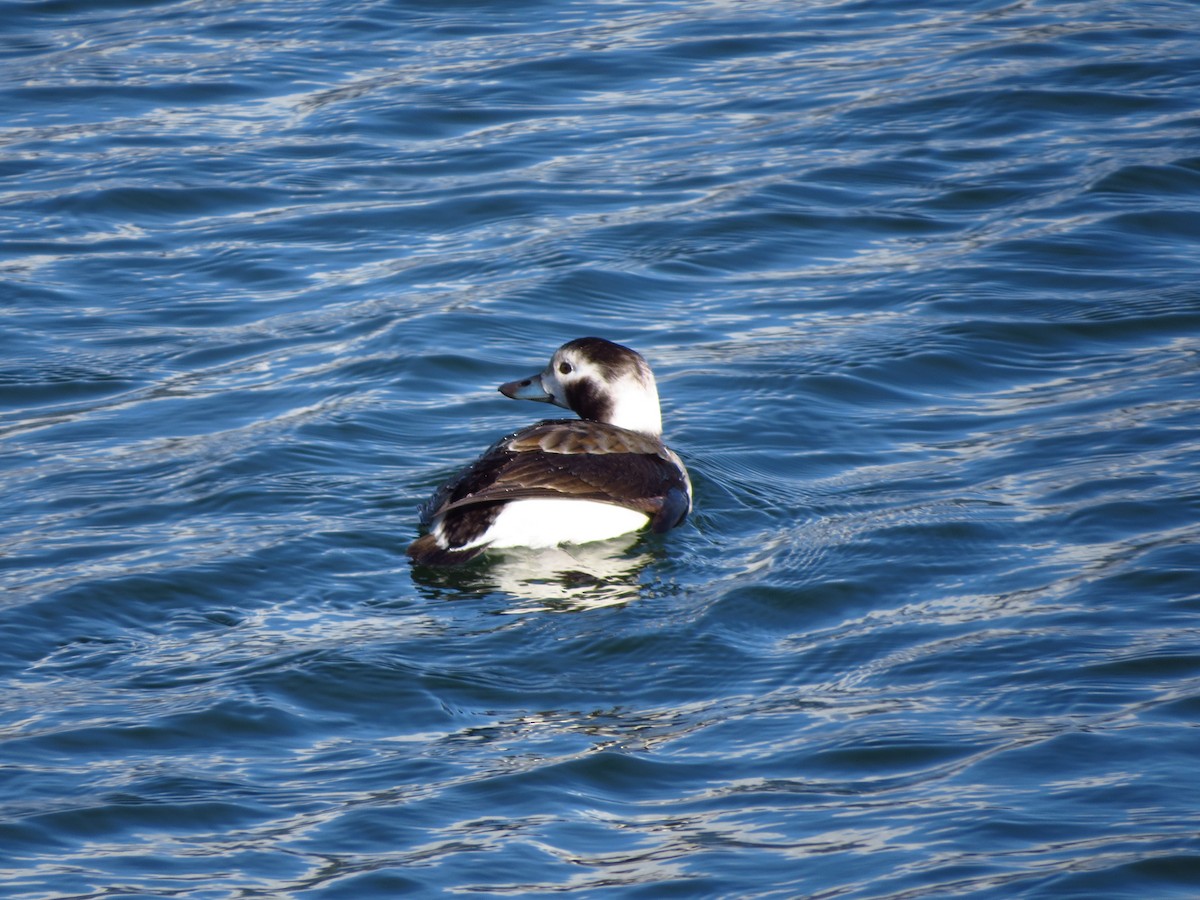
[(565, 481)]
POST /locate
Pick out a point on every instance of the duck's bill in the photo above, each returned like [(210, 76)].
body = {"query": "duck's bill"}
[(526, 389)]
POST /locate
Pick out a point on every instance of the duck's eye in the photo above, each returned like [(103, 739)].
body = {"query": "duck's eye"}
[(565, 368)]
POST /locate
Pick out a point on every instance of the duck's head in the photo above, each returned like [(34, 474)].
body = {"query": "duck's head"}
[(599, 380)]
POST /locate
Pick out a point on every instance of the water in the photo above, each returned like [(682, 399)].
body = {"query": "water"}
[(919, 284)]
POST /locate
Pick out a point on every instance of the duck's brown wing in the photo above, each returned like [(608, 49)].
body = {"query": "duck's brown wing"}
[(574, 460)]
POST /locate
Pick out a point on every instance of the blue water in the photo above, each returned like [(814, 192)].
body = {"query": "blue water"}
[(920, 285)]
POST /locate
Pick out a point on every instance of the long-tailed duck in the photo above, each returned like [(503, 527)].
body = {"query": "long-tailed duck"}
[(565, 481)]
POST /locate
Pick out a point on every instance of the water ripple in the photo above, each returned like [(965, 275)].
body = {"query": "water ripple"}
[(917, 286)]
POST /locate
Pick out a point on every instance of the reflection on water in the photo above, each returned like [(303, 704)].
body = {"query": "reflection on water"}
[(566, 578)]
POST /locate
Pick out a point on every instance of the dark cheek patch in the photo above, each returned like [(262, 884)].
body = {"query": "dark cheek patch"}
[(589, 401)]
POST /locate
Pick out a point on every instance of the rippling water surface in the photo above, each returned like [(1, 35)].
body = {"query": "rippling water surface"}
[(920, 287)]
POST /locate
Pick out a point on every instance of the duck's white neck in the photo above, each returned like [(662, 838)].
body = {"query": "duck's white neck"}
[(635, 405)]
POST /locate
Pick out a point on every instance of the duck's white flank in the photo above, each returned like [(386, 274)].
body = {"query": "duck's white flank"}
[(551, 521)]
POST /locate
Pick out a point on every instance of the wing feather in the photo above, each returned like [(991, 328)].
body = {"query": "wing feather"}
[(571, 459)]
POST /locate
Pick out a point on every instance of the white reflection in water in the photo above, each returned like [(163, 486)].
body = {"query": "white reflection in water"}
[(564, 578)]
